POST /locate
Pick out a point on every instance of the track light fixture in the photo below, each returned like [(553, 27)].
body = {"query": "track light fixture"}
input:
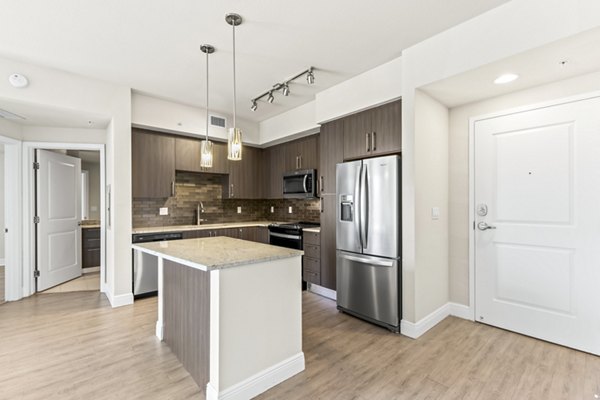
[(284, 87)]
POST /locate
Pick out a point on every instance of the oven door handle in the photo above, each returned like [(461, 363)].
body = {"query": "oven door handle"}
[(284, 236)]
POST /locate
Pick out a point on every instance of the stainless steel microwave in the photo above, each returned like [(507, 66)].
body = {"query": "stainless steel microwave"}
[(299, 184)]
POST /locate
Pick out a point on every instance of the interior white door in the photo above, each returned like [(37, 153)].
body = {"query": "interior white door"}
[(58, 206), (537, 208)]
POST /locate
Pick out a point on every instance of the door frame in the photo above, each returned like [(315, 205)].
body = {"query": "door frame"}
[(29, 208), (472, 121), (13, 253)]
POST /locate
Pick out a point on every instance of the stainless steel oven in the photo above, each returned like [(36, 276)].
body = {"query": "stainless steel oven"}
[(299, 184)]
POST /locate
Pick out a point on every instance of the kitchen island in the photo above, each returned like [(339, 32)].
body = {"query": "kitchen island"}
[(230, 310)]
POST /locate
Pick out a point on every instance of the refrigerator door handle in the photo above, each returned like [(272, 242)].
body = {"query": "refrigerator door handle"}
[(357, 205), (371, 261), (364, 207)]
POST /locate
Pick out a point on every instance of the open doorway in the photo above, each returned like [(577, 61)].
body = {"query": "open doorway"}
[(67, 186)]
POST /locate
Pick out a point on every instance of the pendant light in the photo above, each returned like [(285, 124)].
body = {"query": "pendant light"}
[(206, 146), (234, 138)]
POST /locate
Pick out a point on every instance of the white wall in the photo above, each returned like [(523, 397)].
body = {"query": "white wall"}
[(294, 123), (459, 165), (373, 87), (10, 129), (512, 28), (168, 116), (431, 177), (65, 91), (62, 135)]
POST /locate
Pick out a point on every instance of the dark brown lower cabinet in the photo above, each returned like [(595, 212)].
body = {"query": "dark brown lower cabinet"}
[(311, 262), (252, 233), (90, 247)]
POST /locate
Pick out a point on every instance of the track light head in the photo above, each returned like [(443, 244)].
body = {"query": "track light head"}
[(254, 105), (310, 77), (270, 98), (286, 89)]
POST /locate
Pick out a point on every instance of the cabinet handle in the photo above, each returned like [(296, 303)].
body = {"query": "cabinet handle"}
[(321, 203), (374, 141), (172, 188), (300, 158), (231, 190), (367, 142), (321, 181)]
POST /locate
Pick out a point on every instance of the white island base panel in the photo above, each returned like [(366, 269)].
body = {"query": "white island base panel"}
[(255, 327)]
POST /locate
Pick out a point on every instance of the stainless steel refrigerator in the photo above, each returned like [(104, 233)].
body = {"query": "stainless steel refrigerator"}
[(368, 236)]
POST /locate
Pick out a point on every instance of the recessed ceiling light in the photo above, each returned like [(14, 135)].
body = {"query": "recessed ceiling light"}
[(18, 80), (506, 78)]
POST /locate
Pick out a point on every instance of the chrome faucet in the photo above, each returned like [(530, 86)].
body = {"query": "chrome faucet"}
[(199, 209)]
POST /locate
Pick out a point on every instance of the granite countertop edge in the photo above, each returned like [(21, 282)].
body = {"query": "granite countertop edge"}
[(185, 228), (203, 267)]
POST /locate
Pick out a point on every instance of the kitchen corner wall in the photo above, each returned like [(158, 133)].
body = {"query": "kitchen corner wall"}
[(192, 188)]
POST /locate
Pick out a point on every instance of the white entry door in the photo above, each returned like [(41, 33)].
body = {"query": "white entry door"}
[(537, 188), (58, 204)]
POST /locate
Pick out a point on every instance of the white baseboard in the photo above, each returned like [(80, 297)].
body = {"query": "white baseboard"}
[(159, 330), (260, 382), (322, 291), (416, 329), (461, 311), (120, 300)]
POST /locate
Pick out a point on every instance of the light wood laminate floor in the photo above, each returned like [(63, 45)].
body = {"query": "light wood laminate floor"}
[(89, 281), (74, 346)]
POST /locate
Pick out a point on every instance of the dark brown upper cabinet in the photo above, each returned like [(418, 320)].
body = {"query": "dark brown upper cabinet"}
[(373, 132), (152, 164), (274, 168), (301, 154), (331, 152), (245, 179), (187, 156)]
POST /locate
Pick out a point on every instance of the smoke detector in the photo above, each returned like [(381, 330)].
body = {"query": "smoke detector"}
[(18, 80)]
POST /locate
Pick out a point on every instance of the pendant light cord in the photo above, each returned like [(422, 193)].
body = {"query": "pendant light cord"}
[(234, 93), (207, 96)]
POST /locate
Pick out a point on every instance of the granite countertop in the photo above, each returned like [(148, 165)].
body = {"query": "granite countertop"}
[(314, 230), (208, 254), (183, 228)]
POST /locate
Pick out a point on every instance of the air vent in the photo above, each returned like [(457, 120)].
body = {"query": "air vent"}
[(8, 115), (218, 121)]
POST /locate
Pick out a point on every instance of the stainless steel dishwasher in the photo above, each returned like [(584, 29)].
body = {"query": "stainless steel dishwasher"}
[(145, 266)]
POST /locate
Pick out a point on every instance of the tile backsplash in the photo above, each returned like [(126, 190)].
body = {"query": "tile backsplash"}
[(190, 189)]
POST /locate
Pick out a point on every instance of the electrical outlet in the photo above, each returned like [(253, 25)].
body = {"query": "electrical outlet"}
[(239, 209), (435, 213), (163, 211), (289, 209), (272, 209)]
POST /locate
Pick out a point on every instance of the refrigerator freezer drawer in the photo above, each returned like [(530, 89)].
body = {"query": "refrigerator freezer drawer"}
[(368, 287)]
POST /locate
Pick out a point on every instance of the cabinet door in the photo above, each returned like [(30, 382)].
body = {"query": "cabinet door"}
[(244, 179), (292, 156), (262, 234), (308, 152), (328, 270), (331, 152), (357, 135), (187, 155), (152, 164), (248, 233), (220, 162), (387, 129), (275, 160)]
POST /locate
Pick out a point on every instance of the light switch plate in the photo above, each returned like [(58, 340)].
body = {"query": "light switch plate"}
[(163, 211), (239, 210), (272, 209), (289, 209), (435, 213)]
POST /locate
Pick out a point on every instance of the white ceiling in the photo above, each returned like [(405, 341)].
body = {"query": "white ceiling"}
[(535, 67), (152, 46)]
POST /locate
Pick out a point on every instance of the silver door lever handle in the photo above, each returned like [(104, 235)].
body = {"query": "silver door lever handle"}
[(482, 226)]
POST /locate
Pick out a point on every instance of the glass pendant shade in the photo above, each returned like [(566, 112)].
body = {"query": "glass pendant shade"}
[(206, 154), (234, 144)]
